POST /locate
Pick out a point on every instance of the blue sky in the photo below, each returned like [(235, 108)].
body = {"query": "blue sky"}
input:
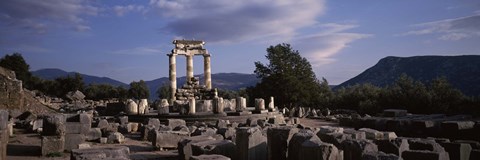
[(129, 40)]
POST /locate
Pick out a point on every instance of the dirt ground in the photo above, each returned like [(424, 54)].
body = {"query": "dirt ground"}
[(23, 146)]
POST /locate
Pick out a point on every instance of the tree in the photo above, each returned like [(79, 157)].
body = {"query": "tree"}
[(445, 98), (361, 97), (409, 94), (288, 77), (164, 92), (101, 91), (67, 84), (122, 93), (16, 63), (139, 90)]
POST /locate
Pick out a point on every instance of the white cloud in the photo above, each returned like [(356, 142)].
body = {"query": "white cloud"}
[(122, 10), (450, 29), (320, 48), (143, 50), (237, 21), (39, 16)]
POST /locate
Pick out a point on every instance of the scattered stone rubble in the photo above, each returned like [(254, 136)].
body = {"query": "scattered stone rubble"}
[(257, 138)]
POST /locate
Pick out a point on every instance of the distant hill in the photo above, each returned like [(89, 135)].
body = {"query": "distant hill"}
[(228, 81), (52, 73), (463, 72)]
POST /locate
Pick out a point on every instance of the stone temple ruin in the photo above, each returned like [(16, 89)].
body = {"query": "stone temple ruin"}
[(207, 126), (191, 91)]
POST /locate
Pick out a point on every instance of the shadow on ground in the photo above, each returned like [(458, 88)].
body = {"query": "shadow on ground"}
[(23, 150)]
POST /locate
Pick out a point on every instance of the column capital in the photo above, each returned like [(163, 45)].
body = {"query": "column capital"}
[(171, 54), (206, 55)]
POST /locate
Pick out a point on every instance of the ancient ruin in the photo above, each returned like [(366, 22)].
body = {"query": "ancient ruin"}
[(196, 123)]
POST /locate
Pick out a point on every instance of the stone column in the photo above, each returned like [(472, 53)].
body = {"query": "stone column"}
[(207, 71), (218, 105), (241, 104), (191, 105), (173, 76), (189, 67), (271, 105), (259, 104)]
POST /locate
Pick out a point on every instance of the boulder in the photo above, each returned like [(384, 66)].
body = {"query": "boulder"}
[(94, 134), (75, 95), (181, 128), (314, 149), (355, 134), (172, 123), (209, 157), (475, 154), (394, 146), (278, 138), (73, 140), (251, 144), (221, 147), (371, 133), (460, 151), (185, 145), (168, 139), (354, 149), (52, 144), (204, 131), (54, 125), (380, 156), (155, 122), (222, 123), (425, 144), (424, 155), (228, 133), (277, 119), (116, 137), (111, 152), (296, 142), (334, 138)]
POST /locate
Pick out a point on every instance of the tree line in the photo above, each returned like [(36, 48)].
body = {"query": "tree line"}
[(60, 86)]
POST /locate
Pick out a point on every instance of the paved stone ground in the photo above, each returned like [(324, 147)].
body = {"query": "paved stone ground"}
[(27, 145)]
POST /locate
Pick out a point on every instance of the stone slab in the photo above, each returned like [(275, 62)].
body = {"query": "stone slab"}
[(52, 144), (242, 113), (221, 147), (168, 139), (73, 140), (116, 152), (209, 157), (251, 144), (278, 138)]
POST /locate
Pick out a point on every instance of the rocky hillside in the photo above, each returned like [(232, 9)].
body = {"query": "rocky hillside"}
[(463, 72), (16, 99)]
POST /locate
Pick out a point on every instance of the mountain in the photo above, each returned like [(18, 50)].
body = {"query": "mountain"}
[(228, 81), (52, 73), (463, 72)]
